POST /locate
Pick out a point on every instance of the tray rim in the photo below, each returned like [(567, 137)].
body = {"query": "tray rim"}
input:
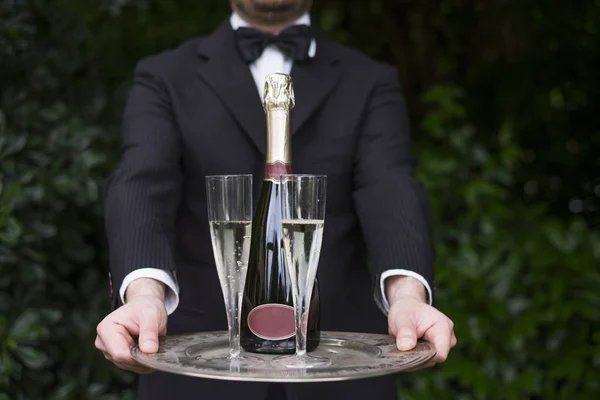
[(175, 369)]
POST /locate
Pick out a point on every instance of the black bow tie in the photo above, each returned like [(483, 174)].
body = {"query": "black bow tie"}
[(293, 42)]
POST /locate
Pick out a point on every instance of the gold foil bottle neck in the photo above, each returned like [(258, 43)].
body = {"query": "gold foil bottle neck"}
[(278, 101), (279, 92)]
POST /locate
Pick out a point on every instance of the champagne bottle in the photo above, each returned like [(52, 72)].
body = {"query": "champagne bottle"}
[(267, 320)]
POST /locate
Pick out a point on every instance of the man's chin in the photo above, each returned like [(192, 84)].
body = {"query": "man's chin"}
[(277, 8)]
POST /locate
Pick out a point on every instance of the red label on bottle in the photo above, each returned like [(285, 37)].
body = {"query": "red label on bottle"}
[(272, 321), (275, 170)]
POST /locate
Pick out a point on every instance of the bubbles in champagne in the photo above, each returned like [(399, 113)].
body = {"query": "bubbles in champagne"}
[(302, 248), (231, 247)]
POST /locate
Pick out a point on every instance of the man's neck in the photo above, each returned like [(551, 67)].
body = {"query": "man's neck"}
[(237, 20)]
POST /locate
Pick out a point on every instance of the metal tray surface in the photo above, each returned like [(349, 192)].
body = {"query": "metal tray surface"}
[(353, 356)]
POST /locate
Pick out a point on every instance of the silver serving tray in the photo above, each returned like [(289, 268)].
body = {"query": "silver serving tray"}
[(353, 356)]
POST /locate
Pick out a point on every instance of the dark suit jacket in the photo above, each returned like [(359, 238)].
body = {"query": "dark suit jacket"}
[(195, 111)]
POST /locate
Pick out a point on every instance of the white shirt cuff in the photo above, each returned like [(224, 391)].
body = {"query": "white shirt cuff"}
[(171, 294), (403, 272)]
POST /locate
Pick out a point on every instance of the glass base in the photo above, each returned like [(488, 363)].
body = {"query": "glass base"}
[(304, 361), (239, 361)]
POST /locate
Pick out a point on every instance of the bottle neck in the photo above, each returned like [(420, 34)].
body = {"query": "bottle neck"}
[(279, 152)]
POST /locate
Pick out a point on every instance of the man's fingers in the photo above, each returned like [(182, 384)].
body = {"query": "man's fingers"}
[(440, 335), (117, 342), (148, 338), (163, 331), (140, 320), (119, 351), (404, 327), (100, 344), (406, 333), (406, 338), (410, 320)]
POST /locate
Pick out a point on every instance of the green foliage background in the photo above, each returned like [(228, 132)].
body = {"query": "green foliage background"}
[(503, 97)]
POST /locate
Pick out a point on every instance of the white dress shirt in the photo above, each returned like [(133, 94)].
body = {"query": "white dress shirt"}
[(272, 60)]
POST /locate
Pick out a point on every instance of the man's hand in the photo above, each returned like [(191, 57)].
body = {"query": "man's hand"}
[(410, 318), (144, 315)]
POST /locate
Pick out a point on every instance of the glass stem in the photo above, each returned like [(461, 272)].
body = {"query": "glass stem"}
[(301, 309), (233, 315)]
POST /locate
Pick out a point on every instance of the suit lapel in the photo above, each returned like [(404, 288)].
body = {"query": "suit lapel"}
[(313, 83), (225, 72), (230, 78)]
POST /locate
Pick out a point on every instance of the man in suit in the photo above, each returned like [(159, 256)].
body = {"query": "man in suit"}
[(196, 110)]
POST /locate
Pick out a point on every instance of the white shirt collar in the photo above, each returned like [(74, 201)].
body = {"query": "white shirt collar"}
[(237, 22)]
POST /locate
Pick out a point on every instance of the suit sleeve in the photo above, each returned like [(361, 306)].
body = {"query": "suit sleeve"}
[(392, 205), (143, 193)]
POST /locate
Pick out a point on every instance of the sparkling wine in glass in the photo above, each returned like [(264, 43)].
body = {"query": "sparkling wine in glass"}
[(303, 221), (229, 199)]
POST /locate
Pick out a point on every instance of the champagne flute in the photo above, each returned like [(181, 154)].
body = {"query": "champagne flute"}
[(229, 199), (303, 219)]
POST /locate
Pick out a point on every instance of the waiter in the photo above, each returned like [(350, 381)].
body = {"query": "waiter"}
[(196, 110)]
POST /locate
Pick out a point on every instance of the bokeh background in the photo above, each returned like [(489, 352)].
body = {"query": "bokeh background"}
[(504, 98)]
